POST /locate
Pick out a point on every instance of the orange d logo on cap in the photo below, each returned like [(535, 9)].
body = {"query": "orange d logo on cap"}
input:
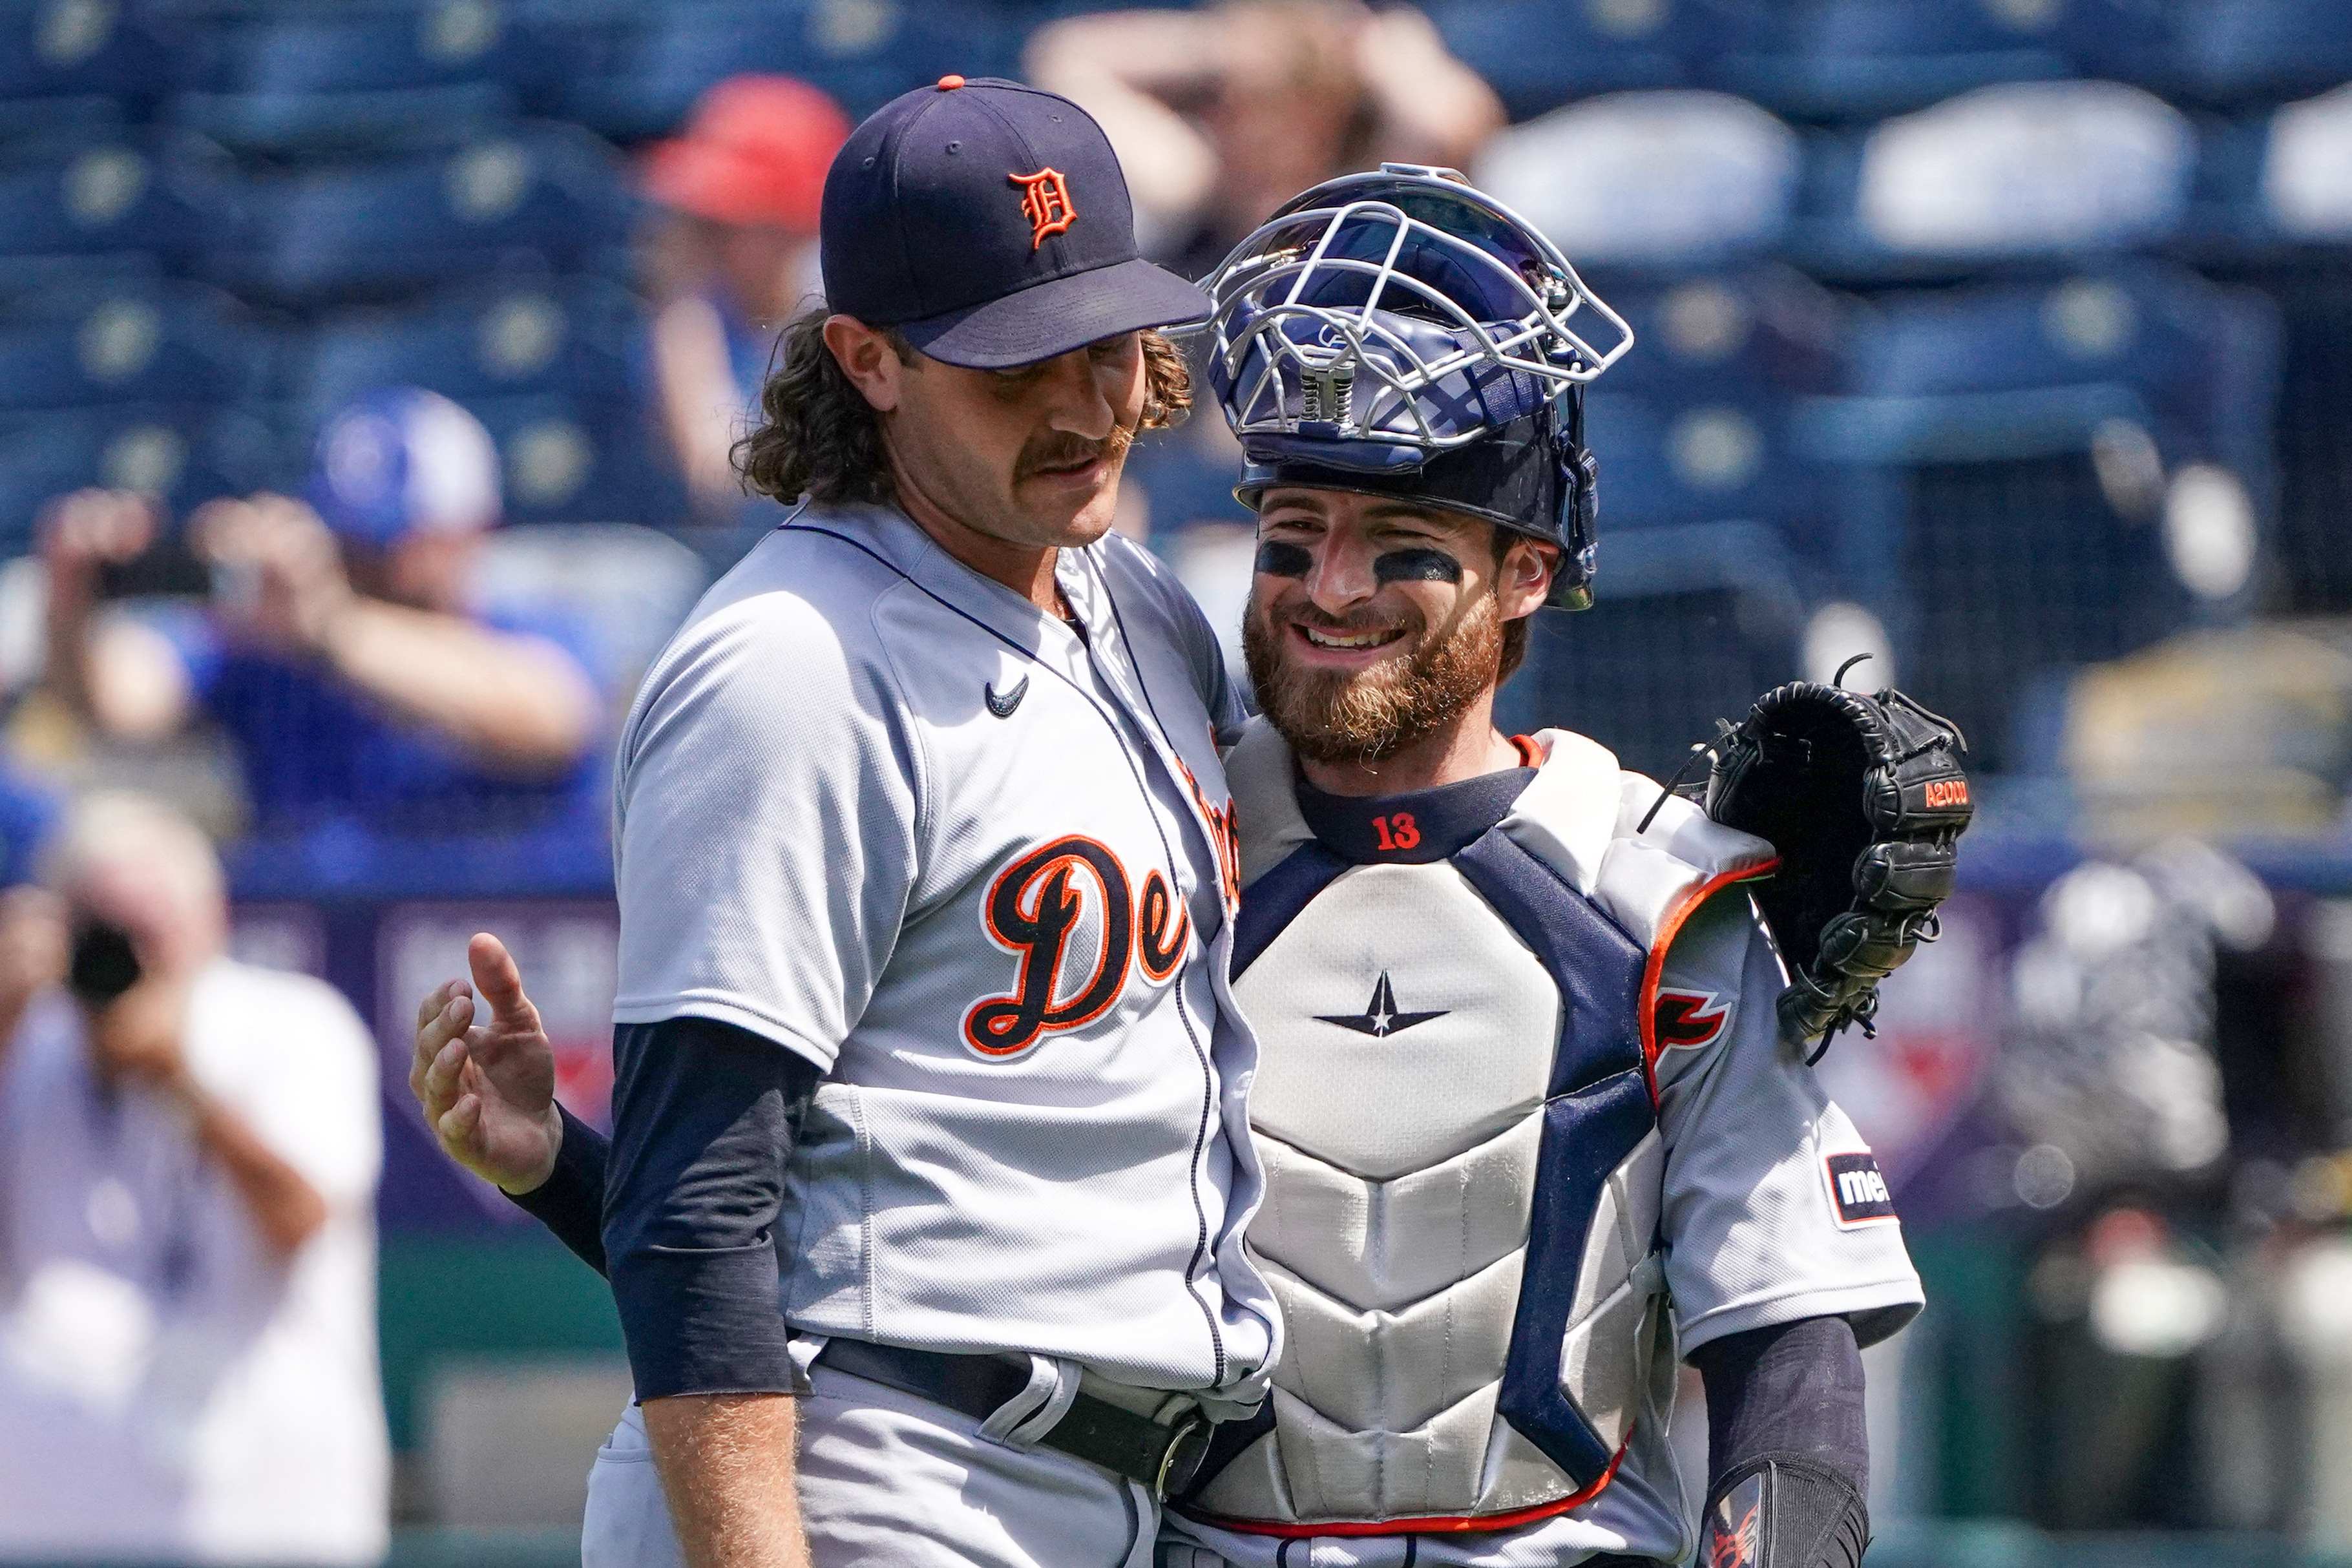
[(1046, 203)]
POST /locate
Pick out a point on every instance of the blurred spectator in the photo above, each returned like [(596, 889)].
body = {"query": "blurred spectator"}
[(2108, 1075), (341, 652), (187, 1250), (728, 260), (2123, 1308), (27, 812), (1221, 115)]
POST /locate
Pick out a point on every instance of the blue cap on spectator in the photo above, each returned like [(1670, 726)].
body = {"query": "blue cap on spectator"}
[(28, 816), (989, 223), (403, 460)]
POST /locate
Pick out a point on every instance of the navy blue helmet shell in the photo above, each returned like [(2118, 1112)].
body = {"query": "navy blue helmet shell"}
[(1401, 333)]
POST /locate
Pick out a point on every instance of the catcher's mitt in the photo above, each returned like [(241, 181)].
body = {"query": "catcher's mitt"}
[(1864, 799)]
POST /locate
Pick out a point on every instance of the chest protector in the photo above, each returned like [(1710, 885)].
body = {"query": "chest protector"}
[(1458, 1120)]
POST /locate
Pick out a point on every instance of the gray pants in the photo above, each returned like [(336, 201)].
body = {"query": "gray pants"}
[(886, 1479), (1178, 1551)]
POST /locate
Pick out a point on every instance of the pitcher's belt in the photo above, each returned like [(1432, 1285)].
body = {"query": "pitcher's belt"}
[(1163, 1455)]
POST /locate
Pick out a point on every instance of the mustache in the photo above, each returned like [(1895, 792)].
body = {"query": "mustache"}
[(1314, 617), (1061, 449)]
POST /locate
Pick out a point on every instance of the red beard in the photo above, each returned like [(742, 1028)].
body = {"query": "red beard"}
[(1370, 715)]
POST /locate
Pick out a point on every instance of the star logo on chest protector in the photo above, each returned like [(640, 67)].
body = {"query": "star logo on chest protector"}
[(1379, 1018)]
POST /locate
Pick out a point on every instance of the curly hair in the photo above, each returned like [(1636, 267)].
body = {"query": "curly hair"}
[(820, 437)]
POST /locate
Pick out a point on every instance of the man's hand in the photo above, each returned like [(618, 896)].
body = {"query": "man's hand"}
[(32, 953), (115, 673), (135, 1039), (489, 1088), (285, 587), (91, 529), (1433, 108)]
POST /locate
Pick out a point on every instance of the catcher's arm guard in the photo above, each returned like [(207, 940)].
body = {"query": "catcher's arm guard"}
[(1781, 1510), (1864, 799)]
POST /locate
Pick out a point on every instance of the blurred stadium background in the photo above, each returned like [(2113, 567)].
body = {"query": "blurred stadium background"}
[(2009, 340)]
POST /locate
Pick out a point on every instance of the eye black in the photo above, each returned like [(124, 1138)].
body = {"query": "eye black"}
[(1418, 564), (1276, 558)]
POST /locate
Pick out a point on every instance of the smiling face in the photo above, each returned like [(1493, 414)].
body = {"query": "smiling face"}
[(1374, 623)]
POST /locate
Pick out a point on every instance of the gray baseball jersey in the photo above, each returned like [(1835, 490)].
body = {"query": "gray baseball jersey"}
[(1523, 1092), (977, 865)]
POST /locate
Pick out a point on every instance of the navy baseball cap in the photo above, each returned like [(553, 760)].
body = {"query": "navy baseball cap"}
[(989, 223)]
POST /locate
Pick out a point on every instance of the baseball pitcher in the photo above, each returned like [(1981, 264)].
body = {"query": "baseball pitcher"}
[(926, 874)]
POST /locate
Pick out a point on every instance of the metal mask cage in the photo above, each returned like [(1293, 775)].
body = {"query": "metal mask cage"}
[(1404, 310)]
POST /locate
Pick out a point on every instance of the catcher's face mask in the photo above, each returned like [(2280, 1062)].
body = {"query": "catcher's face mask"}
[(1400, 333)]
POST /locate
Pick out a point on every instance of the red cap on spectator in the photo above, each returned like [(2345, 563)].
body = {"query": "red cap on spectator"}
[(755, 153)]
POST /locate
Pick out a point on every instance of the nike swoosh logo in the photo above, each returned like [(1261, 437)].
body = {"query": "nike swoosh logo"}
[(1002, 707)]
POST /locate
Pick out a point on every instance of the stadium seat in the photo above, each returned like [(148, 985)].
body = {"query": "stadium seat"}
[(1697, 461), (1718, 534), (1859, 59), (864, 52), (2199, 358), (76, 196), (325, 123), (2300, 188), (549, 365), (1689, 624), (538, 197), (572, 338), (1587, 46), (649, 77), (2021, 172), (64, 48), (867, 52), (178, 345), (2293, 226), (356, 48), (2062, 473), (546, 365), (86, 118), (574, 42), (1754, 332), (186, 456), (2017, 568), (314, 80), (568, 462), (2235, 53), (1694, 425), (1650, 179)]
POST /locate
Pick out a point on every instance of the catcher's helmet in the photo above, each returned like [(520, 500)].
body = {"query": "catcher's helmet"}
[(1402, 334)]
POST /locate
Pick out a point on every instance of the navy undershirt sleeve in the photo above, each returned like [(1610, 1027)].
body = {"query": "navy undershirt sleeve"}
[(1791, 1389), (704, 1119), (571, 1201)]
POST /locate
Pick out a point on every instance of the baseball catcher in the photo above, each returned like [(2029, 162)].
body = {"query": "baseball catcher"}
[(1530, 1126)]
